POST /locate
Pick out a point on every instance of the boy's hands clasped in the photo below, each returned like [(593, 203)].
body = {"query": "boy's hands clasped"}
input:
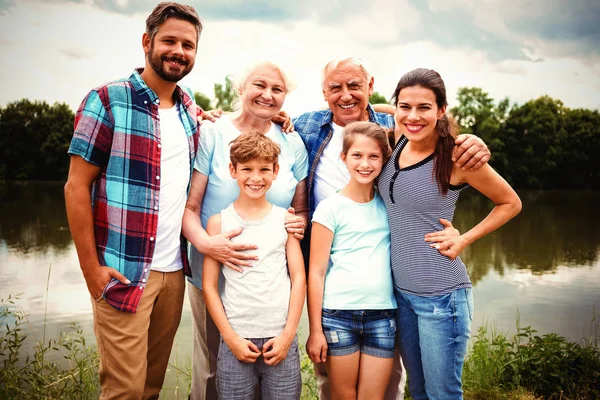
[(244, 350), (274, 350)]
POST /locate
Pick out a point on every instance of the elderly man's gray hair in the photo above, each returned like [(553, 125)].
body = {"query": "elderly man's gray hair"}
[(354, 60)]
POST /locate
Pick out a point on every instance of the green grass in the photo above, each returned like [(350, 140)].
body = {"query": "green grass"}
[(35, 376), (524, 366), (548, 366)]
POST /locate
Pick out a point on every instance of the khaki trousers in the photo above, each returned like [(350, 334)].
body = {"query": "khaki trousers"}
[(394, 391), (205, 349), (134, 348)]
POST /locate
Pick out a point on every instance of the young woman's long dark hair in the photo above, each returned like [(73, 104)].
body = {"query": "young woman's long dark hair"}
[(446, 127)]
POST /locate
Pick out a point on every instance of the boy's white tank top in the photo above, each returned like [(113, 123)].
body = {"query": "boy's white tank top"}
[(256, 301)]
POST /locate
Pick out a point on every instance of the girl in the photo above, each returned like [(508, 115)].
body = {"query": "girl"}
[(420, 185), (350, 295)]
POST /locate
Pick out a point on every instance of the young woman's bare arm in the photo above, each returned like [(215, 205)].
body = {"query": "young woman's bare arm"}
[(493, 186)]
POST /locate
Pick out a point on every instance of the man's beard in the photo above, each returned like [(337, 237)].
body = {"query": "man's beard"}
[(157, 64)]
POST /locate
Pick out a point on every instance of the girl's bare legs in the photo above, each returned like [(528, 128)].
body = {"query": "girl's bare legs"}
[(373, 376), (343, 375)]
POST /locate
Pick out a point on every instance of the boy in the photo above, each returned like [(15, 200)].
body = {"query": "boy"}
[(257, 311)]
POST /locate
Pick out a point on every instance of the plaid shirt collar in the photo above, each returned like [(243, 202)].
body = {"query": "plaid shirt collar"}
[(142, 88)]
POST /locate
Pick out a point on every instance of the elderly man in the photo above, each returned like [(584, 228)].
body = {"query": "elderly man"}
[(347, 86), (131, 161)]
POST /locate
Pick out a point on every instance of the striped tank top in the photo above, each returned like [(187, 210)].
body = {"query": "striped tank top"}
[(414, 206)]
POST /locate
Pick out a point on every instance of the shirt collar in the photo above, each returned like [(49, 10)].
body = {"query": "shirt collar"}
[(140, 86)]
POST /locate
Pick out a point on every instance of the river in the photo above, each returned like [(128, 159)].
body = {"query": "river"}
[(543, 267)]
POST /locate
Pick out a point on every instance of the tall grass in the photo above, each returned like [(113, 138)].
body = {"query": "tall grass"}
[(36, 376), (523, 366)]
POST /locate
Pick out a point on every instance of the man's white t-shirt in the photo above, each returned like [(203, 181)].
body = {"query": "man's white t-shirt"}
[(174, 179), (331, 174)]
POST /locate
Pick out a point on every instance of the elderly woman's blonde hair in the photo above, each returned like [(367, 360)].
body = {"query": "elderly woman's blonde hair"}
[(240, 79)]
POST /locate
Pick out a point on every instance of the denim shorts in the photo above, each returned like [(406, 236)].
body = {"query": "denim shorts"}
[(371, 332)]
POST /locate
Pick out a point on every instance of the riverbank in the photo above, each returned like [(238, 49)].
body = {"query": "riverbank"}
[(523, 366)]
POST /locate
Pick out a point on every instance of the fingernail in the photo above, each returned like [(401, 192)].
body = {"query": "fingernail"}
[(127, 281), (437, 246)]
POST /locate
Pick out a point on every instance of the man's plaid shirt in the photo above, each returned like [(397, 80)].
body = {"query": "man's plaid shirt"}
[(117, 128)]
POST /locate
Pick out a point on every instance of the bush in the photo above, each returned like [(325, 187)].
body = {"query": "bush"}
[(549, 365)]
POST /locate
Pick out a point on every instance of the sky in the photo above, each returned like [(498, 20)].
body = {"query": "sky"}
[(57, 50)]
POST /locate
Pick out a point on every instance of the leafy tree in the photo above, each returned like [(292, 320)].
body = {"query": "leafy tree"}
[(225, 96), (34, 138), (532, 141), (202, 100), (478, 114), (578, 162), (377, 98)]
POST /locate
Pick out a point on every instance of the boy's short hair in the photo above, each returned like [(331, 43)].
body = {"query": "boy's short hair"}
[(253, 145)]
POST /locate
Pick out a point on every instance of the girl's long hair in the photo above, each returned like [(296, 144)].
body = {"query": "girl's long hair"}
[(446, 127)]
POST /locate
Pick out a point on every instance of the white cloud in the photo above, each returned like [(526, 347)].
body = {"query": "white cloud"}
[(57, 52)]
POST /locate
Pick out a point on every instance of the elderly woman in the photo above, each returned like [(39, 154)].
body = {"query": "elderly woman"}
[(262, 90)]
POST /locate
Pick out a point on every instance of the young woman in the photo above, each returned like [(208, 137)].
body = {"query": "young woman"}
[(351, 302), (420, 185)]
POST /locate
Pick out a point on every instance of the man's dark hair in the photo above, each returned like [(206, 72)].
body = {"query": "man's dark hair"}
[(170, 9)]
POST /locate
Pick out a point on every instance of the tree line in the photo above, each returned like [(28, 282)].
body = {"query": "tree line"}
[(541, 144)]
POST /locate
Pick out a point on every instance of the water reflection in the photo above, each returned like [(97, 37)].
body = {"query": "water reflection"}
[(544, 263), (32, 217), (554, 229)]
